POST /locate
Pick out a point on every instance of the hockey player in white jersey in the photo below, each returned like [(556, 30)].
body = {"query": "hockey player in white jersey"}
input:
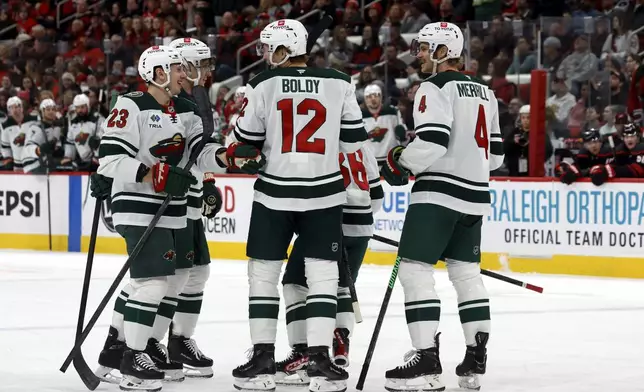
[(83, 135), (364, 198), (457, 144), (383, 123), (43, 139), (13, 135), (147, 136), (300, 118)]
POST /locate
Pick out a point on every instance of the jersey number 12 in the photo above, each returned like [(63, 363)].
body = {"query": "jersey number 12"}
[(480, 133), (302, 143)]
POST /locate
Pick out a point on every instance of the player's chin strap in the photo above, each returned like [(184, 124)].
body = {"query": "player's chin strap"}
[(275, 65)]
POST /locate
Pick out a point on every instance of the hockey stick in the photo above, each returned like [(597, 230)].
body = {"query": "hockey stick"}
[(203, 103), (344, 262), (483, 271), (317, 31), (100, 101), (86, 374), (376, 329)]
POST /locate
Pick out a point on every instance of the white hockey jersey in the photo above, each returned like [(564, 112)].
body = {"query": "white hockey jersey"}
[(381, 129), (364, 192), (79, 131), (41, 132), (458, 142), (141, 131), (302, 118), (13, 138)]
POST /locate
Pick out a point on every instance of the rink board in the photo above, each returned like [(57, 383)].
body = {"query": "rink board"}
[(534, 225)]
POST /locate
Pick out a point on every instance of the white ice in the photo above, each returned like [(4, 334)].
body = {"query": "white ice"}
[(582, 334)]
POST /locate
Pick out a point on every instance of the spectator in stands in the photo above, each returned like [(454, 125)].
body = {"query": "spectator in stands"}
[(351, 19), (524, 60), (618, 90), (486, 9), (414, 18), (562, 101), (341, 48), (633, 61), (365, 78), (552, 57), (592, 118), (396, 39), (503, 89), (7, 87), (621, 41), (395, 15), (369, 50), (515, 145), (609, 117), (396, 68), (637, 17), (303, 7), (580, 66), (446, 11)]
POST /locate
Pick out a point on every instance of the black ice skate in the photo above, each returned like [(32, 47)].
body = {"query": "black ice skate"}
[(422, 372), (139, 372), (110, 358), (292, 370), (159, 354), (474, 363), (258, 374), (324, 374), (341, 347), (186, 352)]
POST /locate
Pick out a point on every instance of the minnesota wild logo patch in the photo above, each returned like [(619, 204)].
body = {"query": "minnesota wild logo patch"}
[(169, 150)]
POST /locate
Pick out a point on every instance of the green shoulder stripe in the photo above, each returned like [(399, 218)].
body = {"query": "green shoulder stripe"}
[(441, 79), (299, 72)]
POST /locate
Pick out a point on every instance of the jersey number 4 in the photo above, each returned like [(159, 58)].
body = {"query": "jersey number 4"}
[(302, 138), (356, 170), (480, 133)]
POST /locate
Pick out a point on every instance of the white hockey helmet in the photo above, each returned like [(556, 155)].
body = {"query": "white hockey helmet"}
[(158, 56), (80, 100), (440, 33), (289, 33), (240, 92), (47, 103), (13, 101), (194, 52), (372, 89)]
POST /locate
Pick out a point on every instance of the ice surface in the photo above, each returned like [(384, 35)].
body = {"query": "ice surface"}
[(583, 334)]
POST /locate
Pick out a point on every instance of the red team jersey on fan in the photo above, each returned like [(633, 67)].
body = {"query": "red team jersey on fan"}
[(636, 96)]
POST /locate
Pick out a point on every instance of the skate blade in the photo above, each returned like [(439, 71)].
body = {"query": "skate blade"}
[(129, 383), (470, 383), (264, 382), (197, 372), (322, 384), (428, 383), (297, 379), (174, 375), (341, 361), (105, 375)]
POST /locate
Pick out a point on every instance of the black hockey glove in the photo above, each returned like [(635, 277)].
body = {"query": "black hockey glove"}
[(172, 180), (6, 164), (568, 173), (392, 171), (46, 148), (245, 157), (401, 133), (100, 186), (212, 199), (599, 174), (94, 142)]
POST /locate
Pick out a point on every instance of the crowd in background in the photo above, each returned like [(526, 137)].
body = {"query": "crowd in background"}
[(590, 49)]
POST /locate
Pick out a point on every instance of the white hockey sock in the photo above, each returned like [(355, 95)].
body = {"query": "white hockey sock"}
[(190, 301), (263, 299), (422, 306), (473, 299), (321, 302), (119, 309), (295, 302), (345, 317), (169, 303), (141, 310)]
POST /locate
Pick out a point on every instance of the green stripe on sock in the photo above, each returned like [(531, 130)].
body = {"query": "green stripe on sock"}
[(345, 305), (480, 313), (321, 309), (296, 314), (423, 314), (423, 302), (476, 301), (263, 311), (193, 307), (196, 295), (119, 305), (139, 316), (295, 304), (321, 296), (166, 309)]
